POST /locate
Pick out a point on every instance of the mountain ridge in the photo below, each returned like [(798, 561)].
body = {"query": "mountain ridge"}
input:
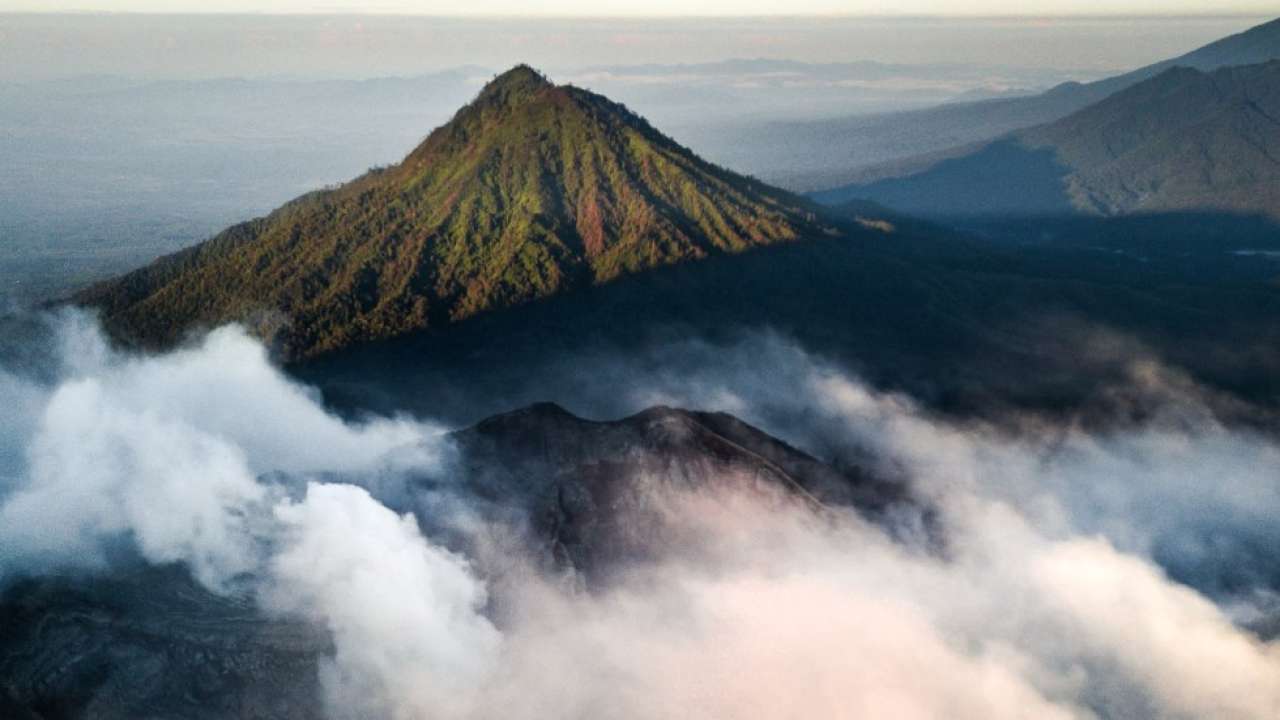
[(1255, 45), (1183, 140)]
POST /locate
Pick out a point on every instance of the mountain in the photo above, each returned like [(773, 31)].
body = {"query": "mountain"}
[(1256, 45), (530, 190), (1185, 139), (389, 302), (1182, 140), (141, 641), (818, 155), (592, 490)]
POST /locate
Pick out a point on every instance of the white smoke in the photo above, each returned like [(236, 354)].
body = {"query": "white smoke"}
[(1180, 488), (169, 450), (175, 454), (789, 614), (1052, 598), (404, 614)]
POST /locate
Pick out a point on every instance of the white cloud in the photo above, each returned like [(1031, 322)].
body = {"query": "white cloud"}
[(404, 614), (1046, 602), (167, 450)]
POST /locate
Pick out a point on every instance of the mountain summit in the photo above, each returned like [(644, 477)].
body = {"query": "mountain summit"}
[(530, 190)]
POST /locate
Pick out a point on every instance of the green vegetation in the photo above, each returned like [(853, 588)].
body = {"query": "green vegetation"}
[(530, 190)]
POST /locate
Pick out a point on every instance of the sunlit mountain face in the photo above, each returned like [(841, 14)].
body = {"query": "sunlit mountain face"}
[(529, 191), (648, 381)]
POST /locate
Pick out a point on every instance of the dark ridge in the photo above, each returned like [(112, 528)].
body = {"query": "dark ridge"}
[(595, 491), (1185, 140)]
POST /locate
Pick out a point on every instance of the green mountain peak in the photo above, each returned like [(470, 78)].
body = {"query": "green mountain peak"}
[(532, 189), (521, 80)]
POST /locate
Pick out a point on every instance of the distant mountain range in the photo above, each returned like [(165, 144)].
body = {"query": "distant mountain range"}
[(1182, 140), (530, 190), (863, 149)]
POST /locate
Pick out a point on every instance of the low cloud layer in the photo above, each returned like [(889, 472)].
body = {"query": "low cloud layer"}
[(169, 451), (404, 614), (1084, 574), (1179, 486), (803, 617)]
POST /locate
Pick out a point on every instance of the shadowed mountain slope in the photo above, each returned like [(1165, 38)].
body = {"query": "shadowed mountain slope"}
[(1184, 140), (964, 326), (530, 190)]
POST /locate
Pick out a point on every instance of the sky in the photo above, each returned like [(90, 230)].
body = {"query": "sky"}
[(36, 46), (652, 8)]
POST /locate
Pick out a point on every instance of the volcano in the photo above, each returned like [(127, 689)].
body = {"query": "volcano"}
[(530, 190)]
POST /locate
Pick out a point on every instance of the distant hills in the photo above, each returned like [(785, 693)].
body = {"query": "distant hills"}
[(1181, 140), (530, 190), (864, 149)]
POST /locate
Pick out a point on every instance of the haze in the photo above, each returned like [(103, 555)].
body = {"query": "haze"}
[(651, 8), (45, 46)]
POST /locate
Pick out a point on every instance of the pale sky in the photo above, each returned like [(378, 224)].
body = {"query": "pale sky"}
[(664, 7)]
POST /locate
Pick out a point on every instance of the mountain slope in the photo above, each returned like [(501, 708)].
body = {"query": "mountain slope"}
[(1183, 140), (530, 190), (968, 327), (824, 154)]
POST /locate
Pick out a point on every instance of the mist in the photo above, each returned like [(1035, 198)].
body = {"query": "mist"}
[(355, 46), (1082, 572)]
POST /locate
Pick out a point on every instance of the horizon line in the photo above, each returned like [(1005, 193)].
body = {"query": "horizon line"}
[(641, 16)]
